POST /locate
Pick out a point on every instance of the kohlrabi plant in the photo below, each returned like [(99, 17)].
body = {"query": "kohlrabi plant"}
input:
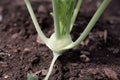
[(64, 16)]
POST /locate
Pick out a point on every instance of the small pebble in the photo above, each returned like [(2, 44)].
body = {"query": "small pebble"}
[(84, 58), (110, 74), (14, 35), (7, 54), (1, 9), (26, 50), (39, 40), (71, 78), (1, 17), (4, 64), (105, 35), (6, 76), (44, 72), (16, 50), (85, 52), (42, 9), (115, 51), (93, 71), (85, 43), (2, 53)]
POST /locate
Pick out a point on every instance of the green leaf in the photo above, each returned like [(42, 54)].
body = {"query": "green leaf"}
[(65, 10), (30, 77)]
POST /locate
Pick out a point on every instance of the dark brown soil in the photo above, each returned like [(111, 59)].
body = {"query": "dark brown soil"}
[(97, 58)]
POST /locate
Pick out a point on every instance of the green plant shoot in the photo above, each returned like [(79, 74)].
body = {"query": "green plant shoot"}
[(64, 16), (31, 77)]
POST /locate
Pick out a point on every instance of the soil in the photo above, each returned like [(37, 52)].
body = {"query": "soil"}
[(96, 58)]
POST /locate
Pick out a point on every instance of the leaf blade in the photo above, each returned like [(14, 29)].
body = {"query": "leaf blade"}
[(30, 77)]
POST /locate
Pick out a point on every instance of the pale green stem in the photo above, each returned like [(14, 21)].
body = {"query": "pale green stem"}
[(91, 24), (37, 26), (56, 19), (75, 13), (56, 55)]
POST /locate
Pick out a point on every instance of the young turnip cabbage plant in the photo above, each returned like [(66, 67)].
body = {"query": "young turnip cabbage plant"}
[(64, 16)]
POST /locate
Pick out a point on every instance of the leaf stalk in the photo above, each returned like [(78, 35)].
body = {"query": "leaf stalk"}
[(37, 26), (56, 55)]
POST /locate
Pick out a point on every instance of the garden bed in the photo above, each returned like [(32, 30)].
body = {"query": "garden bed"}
[(97, 58)]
